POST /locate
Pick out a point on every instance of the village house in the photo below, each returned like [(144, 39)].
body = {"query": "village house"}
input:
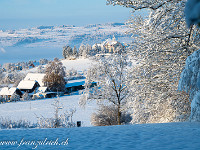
[(28, 86), (34, 85), (7, 92)]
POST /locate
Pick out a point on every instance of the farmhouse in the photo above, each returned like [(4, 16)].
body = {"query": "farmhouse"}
[(8, 92), (34, 85)]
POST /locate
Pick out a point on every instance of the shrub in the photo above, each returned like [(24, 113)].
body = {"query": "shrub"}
[(9, 124), (107, 115)]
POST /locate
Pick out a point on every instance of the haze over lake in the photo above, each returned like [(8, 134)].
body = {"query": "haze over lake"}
[(24, 54)]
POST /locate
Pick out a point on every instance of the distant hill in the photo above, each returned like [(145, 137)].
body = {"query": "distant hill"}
[(58, 36)]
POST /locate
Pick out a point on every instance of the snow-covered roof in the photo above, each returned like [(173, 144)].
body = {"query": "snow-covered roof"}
[(6, 91), (26, 84), (41, 89), (35, 77), (12, 90), (73, 83)]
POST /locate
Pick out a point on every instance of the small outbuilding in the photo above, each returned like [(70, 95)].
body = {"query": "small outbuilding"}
[(44, 92), (74, 85)]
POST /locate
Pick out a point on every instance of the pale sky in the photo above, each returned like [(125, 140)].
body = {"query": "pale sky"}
[(57, 12)]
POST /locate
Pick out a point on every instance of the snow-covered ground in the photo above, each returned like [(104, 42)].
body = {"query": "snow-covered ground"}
[(169, 136), (30, 110), (80, 65)]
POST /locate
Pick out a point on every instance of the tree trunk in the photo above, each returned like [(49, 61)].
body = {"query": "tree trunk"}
[(119, 115)]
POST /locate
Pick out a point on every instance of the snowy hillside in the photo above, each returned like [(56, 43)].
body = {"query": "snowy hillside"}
[(170, 136), (80, 65), (58, 36), (30, 110)]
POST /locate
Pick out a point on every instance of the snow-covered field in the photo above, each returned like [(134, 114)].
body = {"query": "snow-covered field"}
[(30, 110), (169, 136)]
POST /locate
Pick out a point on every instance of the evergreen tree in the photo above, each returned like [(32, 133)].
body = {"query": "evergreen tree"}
[(88, 49), (81, 49), (67, 52), (75, 53)]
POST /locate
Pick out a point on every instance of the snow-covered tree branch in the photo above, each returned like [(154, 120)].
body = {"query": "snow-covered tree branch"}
[(137, 5)]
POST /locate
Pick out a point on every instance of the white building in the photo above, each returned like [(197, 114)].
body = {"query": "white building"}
[(109, 45)]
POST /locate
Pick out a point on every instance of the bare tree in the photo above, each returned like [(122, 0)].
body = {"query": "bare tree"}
[(112, 78), (54, 78), (57, 107)]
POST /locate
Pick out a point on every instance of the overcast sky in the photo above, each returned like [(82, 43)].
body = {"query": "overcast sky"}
[(56, 12)]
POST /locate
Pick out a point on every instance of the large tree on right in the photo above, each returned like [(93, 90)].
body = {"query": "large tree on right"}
[(162, 42)]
